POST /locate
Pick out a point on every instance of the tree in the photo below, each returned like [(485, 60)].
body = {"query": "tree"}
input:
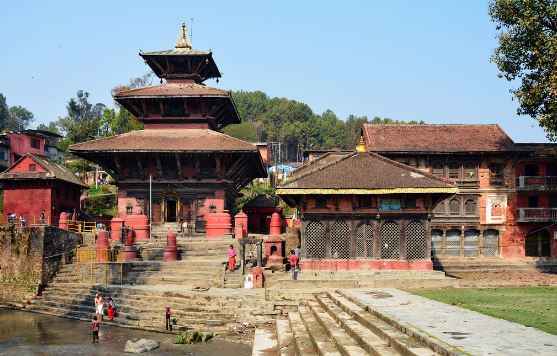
[(527, 52), (82, 123), (4, 111), (19, 119), (51, 127)]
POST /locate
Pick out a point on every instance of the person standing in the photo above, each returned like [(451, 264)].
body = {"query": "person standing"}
[(167, 315), (96, 326), (231, 258), (99, 307), (298, 252), (293, 264)]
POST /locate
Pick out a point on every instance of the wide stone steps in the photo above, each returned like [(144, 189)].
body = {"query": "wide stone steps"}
[(333, 324)]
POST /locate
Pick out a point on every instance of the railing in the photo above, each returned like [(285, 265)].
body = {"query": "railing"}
[(88, 255), (89, 260), (536, 183), (82, 226), (33, 221), (537, 215)]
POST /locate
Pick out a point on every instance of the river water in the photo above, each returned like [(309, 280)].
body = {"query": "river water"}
[(23, 333)]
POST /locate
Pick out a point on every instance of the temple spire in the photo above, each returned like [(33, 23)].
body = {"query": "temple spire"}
[(361, 147), (184, 40)]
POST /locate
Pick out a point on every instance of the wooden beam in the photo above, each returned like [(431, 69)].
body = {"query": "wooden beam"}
[(144, 106), (161, 107), (178, 165), (140, 168), (186, 111), (134, 107), (159, 166), (156, 63), (118, 165)]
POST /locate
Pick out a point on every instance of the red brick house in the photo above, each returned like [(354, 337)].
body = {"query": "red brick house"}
[(33, 184), (362, 211)]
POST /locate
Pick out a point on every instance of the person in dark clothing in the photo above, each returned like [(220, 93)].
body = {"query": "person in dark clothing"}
[(95, 325), (167, 315)]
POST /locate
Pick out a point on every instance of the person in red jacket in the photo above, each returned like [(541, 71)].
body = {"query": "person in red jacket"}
[(293, 265)]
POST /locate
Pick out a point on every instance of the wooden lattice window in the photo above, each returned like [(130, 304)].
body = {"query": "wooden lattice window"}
[(315, 241), (470, 171), (436, 242), (452, 242), (340, 240), (454, 170), (364, 240), (471, 239), (490, 244), (454, 206), (496, 173), (390, 240), (439, 208), (470, 207), (416, 241), (438, 169)]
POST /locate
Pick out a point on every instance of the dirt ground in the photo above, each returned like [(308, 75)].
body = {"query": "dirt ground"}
[(505, 278)]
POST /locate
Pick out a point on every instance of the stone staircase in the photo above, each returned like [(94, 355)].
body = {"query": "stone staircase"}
[(334, 323), (470, 265)]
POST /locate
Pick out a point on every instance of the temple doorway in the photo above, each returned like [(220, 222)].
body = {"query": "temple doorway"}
[(538, 244), (170, 210)]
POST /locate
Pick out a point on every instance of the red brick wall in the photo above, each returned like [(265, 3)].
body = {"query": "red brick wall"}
[(23, 166), (20, 144), (28, 199)]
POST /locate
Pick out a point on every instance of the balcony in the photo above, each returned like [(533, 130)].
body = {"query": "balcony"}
[(536, 183), (537, 215)]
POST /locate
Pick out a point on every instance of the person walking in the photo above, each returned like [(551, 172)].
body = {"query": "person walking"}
[(96, 326), (167, 315), (293, 264), (231, 258), (99, 306), (298, 252)]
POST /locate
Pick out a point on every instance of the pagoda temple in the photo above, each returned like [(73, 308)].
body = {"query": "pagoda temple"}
[(179, 168)]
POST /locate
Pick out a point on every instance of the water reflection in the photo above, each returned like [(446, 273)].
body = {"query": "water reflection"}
[(23, 333)]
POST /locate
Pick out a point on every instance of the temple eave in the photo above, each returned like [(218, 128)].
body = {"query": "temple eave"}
[(345, 191)]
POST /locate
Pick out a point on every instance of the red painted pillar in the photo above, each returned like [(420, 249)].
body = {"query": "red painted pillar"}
[(275, 225), (171, 250), (241, 219), (116, 225), (274, 250), (103, 246), (63, 221), (218, 225), (139, 224)]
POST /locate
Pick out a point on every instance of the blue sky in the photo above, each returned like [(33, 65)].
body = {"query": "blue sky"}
[(409, 60)]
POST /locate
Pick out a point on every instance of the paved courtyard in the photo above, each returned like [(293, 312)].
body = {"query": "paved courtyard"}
[(458, 328)]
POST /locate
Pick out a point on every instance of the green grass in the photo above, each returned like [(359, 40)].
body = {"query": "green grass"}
[(530, 306)]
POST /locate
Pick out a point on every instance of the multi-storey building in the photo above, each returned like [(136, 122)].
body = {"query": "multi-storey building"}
[(507, 200)]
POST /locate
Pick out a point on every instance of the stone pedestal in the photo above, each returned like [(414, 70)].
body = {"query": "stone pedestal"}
[(239, 231), (275, 225), (116, 225), (139, 224), (129, 253), (274, 250), (171, 250), (103, 246), (241, 219), (63, 221), (257, 277), (218, 225)]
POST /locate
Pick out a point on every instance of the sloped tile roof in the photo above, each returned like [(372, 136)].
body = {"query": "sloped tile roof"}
[(362, 172), (53, 171), (166, 140), (437, 138), (172, 90)]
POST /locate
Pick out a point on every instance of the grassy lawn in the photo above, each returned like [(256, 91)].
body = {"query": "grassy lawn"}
[(530, 306)]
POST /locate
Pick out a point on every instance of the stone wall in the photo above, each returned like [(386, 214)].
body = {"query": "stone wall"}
[(29, 258)]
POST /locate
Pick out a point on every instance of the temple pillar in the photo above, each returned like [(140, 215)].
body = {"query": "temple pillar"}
[(140, 225), (171, 250), (116, 225), (275, 225), (218, 225), (103, 246), (241, 220), (63, 221)]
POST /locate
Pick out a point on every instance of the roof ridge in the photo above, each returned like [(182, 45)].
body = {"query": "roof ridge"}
[(294, 177)]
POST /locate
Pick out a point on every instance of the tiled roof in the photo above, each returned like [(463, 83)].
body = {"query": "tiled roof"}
[(53, 171), (437, 138), (175, 52), (362, 171), (166, 140), (172, 90)]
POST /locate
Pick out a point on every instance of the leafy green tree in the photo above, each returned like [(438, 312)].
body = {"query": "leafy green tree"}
[(244, 131), (4, 111), (118, 121), (51, 127), (19, 119), (82, 123), (527, 53)]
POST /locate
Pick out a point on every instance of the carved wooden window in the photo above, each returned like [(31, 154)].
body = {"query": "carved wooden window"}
[(364, 240), (490, 243), (470, 207), (452, 242), (416, 241), (315, 241), (439, 208), (496, 173), (436, 242), (35, 143), (551, 170), (454, 206), (454, 170), (340, 240), (438, 169), (470, 171), (390, 240), (320, 202), (470, 243)]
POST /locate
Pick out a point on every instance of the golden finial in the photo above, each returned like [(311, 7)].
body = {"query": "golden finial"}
[(184, 40), (361, 147)]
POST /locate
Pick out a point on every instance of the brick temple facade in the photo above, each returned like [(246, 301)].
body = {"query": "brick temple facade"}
[(179, 168)]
